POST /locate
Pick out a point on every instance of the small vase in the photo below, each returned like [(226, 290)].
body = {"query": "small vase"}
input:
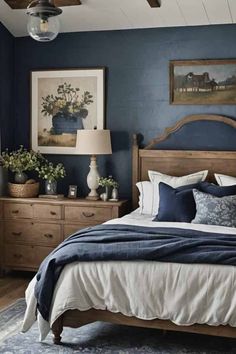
[(114, 193), (20, 177), (51, 187), (107, 192)]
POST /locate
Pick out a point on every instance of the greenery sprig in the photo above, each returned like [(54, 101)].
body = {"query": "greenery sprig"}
[(108, 182), (21, 160), (50, 172)]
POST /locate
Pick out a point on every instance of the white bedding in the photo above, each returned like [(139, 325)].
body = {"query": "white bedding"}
[(183, 293)]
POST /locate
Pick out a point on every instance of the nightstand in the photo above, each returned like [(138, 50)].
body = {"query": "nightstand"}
[(32, 227)]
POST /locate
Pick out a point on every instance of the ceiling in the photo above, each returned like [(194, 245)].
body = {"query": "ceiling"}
[(95, 15)]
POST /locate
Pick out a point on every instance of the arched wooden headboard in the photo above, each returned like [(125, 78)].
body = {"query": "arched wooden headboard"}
[(180, 162)]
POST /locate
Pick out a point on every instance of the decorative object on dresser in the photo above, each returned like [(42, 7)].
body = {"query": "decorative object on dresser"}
[(64, 101), (93, 142), (32, 228), (72, 191), (19, 162), (108, 183), (51, 174)]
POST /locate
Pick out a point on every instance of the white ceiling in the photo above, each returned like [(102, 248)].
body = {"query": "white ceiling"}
[(94, 15)]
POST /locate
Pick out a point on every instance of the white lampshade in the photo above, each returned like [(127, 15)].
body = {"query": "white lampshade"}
[(93, 142)]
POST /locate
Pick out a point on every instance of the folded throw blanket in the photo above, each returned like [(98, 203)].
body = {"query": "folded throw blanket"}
[(127, 243)]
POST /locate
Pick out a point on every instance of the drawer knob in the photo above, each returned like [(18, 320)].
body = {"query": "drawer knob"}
[(53, 213), (88, 215), (17, 255), (48, 235), (16, 233), (15, 211)]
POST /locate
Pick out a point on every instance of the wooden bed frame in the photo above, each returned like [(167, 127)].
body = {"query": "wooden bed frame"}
[(176, 163)]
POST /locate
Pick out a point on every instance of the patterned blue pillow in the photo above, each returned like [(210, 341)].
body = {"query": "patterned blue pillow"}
[(213, 210)]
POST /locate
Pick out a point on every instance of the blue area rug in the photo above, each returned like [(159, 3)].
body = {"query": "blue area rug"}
[(104, 338)]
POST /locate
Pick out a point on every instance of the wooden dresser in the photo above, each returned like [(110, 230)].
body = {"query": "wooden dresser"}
[(32, 228)]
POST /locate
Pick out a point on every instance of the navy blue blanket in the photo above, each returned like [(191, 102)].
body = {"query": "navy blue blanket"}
[(125, 242)]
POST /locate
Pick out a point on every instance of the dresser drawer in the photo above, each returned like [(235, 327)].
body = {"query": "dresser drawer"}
[(18, 210), (72, 228), (47, 211), (32, 233), (22, 256), (87, 214)]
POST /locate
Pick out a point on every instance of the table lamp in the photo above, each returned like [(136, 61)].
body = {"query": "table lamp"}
[(93, 142)]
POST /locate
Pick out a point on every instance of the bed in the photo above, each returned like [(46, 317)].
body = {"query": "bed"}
[(107, 307)]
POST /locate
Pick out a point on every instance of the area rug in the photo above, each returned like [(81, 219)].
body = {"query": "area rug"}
[(104, 338)]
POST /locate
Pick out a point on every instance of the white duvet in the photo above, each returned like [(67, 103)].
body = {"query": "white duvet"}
[(183, 293)]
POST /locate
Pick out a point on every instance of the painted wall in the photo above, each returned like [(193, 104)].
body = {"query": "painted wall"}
[(137, 88), (6, 87)]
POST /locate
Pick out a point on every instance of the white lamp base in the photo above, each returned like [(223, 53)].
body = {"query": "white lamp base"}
[(93, 179)]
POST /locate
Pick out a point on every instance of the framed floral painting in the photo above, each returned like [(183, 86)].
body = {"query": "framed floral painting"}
[(62, 102)]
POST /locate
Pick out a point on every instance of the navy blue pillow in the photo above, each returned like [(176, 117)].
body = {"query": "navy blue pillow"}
[(217, 191), (176, 204)]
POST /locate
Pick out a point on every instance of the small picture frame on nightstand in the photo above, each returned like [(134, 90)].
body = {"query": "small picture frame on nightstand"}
[(72, 193)]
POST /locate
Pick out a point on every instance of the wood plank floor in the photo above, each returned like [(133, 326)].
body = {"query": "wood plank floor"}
[(12, 287)]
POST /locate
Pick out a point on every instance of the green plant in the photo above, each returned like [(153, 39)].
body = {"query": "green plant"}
[(108, 182), (67, 101), (50, 172), (21, 160)]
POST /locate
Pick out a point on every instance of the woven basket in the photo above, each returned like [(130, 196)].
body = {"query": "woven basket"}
[(23, 190)]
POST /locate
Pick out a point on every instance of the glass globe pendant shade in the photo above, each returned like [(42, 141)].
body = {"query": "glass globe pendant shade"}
[(43, 29), (43, 24)]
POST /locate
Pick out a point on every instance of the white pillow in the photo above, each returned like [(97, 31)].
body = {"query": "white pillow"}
[(149, 191), (224, 180), (175, 182), (146, 197)]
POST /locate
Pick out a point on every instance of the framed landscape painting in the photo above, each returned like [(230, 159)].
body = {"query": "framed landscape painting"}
[(203, 82), (62, 102)]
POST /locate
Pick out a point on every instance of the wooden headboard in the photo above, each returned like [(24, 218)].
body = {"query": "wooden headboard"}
[(180, 162)]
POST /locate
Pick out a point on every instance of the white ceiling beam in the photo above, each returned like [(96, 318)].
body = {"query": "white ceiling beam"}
[(232, 9), (217, 11), (193, 12)]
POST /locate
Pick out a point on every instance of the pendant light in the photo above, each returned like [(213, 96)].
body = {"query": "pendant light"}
[(43, 23)]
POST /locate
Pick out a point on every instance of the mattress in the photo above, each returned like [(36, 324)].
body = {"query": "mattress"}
[(182, 293)]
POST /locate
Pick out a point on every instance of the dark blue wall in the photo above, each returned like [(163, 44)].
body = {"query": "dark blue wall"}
[(137, 88), (6, 87)]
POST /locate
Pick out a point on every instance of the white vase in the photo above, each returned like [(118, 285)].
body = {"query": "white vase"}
[(114, 193)]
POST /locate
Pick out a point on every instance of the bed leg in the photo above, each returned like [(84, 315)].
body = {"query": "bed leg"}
[(57, 329)]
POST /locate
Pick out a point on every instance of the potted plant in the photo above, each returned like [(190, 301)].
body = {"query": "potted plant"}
[(114, 193), (51, 174), (108, 183), (19, 162), (68, 109)]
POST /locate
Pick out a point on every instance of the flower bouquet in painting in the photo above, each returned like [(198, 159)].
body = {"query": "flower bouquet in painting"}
[(67, 109)]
